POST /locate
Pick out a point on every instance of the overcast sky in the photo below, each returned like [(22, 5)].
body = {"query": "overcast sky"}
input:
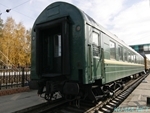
[(128, 19)]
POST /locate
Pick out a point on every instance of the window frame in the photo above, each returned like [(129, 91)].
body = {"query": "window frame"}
[(114, 49), (95, 44), (120, 52)]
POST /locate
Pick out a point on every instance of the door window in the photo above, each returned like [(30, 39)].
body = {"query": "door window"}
[(95, 39), (57, 45), (95, 44)]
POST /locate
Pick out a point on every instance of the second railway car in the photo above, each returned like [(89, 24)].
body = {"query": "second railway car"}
[(147, 64), (75, 56)]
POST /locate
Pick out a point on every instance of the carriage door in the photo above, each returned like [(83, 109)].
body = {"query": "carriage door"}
[(61, 49), (95, 57), (52, 52), (61, 54)]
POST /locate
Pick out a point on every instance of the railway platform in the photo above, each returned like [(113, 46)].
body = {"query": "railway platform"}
[(18, 101), (136, 102)]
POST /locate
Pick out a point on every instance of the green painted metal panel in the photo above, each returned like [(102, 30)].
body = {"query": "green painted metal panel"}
[(117, 71), (97, 68)]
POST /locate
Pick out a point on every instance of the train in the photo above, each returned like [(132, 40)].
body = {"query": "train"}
[(74, 56), (147, 64)]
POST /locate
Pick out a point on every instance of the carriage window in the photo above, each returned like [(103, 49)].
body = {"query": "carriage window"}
[(120, 53), (57, 45), (125, 55), (95, 38), (135, 59), (129, 57), (112, 50), (95, 44), (132, 57)]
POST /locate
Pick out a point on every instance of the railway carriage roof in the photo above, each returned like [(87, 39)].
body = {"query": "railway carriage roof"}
[(76, 11)]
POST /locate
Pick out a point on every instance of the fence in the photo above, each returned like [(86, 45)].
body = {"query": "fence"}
[(14, 78)]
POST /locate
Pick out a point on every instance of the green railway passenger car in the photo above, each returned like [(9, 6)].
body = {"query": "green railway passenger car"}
[(71, 53)]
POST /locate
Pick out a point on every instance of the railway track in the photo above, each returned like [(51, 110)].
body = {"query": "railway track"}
[(106, 106), (111, 104)]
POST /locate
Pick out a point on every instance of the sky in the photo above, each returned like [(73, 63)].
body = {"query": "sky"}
[(129, 20)]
